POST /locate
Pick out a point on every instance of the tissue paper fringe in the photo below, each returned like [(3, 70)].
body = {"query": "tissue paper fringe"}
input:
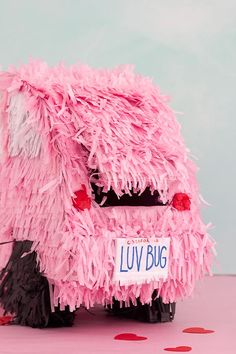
[(25, 293), (57, 125)]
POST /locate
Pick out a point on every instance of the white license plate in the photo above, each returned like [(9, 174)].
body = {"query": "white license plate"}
[(141, 260)]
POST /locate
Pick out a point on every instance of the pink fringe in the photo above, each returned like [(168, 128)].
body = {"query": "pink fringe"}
[(56, 123)]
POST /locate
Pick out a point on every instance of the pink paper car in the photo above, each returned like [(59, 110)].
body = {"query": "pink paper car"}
[(98, 197)]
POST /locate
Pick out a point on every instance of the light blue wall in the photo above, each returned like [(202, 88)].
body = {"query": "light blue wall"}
[(188, 47)]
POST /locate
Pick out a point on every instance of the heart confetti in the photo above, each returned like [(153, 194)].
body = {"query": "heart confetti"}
[(197, 330), (182, 348), (5, 320), (129, 336)]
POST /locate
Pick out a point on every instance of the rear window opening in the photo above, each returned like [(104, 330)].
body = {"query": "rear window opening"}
[(147, 198)]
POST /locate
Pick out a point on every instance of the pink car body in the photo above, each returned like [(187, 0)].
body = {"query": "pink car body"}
[(63, 129)]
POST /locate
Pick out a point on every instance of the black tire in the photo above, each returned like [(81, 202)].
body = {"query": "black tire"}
[(157, 311), (24, 291)]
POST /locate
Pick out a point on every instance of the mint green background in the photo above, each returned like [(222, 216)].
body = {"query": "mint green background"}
[(188, 47)]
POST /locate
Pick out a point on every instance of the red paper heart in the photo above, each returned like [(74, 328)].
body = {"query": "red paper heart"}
[(182, 348), (181, 201), (81, 201), (198, 330), (129, 336), (5, 320)]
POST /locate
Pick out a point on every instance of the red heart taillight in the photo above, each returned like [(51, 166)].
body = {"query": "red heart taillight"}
[(181, 201), (82, 201)]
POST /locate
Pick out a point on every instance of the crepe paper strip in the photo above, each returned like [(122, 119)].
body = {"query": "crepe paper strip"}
[(180, 349), (4, 243), (5, 320), (197, 330), (129, 336)]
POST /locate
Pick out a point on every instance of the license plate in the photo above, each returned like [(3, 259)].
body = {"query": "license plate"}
[(141, 260)]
